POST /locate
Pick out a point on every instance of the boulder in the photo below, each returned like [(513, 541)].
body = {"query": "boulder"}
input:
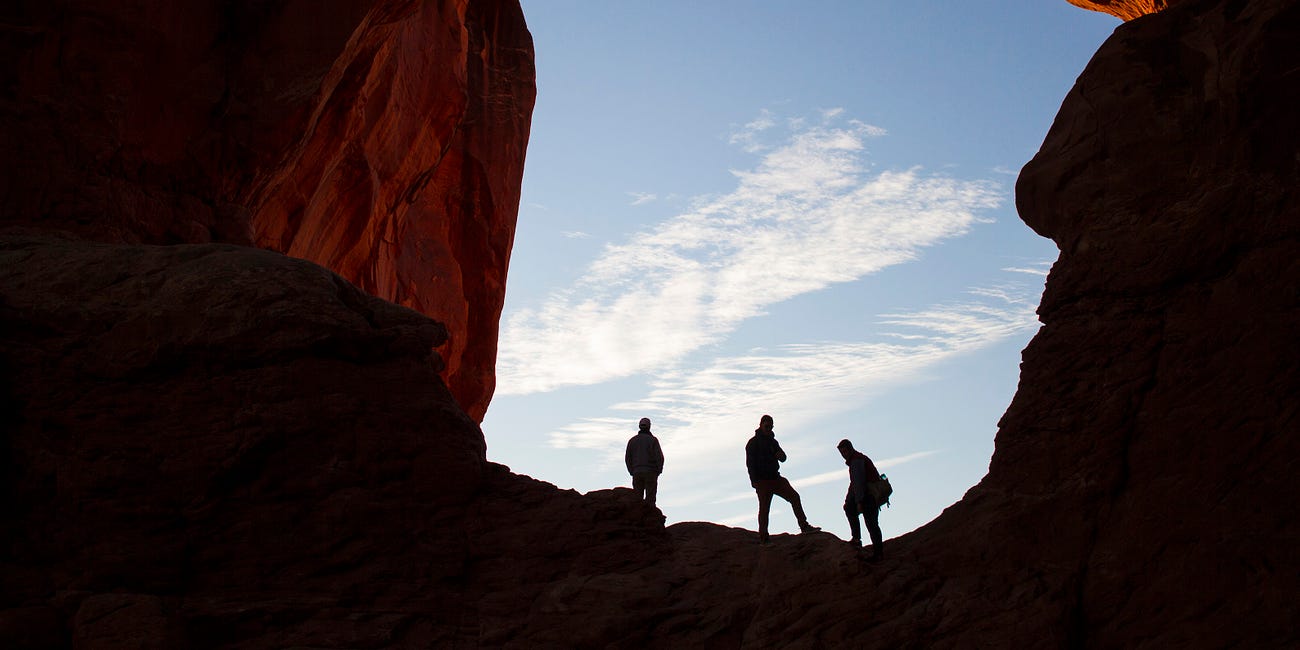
[(197, 429)]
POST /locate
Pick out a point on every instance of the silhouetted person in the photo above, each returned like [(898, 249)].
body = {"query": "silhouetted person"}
[(763, 457), (862, 472), (645, 462)]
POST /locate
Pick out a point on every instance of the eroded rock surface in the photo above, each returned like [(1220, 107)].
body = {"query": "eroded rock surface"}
[(1157, 408), (383, 139)]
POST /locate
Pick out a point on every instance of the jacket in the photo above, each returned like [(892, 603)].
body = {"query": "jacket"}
[(644, 454), (763, 456), (861, 472)]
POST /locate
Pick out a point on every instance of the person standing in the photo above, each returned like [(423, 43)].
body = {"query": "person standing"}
[(763, 458), (645, 462), (859, 501)]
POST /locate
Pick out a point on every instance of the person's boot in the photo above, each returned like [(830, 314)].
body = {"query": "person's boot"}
[(877, 552), (762, 538), (805, 527), (856, 542)]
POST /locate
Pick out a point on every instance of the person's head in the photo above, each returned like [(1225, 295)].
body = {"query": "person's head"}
[(846, 448), (765, 423), (644, 424)]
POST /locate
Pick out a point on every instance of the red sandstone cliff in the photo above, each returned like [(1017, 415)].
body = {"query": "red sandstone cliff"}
[(383, 139), (1126, 9), (215, 446)]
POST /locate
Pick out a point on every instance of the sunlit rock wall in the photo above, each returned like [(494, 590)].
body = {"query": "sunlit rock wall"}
[(1126, 9), (406, 178), (383, 139)]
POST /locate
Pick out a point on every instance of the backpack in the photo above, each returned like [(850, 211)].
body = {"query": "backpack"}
[(880, 490)]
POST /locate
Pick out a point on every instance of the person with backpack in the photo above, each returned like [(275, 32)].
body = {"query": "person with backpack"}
[(860, 500), (763, 458), (645, 462)]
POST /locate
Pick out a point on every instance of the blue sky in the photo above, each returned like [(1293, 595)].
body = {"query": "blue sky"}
[(802, 209)]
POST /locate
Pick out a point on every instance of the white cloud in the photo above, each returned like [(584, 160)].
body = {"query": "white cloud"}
[(639, 198), (704, 415), (806, 216), (832, 476), (831, 113), (1039, 269), (747, 136), (575, 234), (842, 473), (738, 519), (1005, 171)]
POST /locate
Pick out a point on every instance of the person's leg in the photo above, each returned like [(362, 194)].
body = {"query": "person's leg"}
[(638, 485), (786, 491), (872, 515), (851, 511), (764, 491), (651, 487)]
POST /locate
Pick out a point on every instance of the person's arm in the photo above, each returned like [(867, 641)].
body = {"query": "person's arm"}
[(659, 457), (873, 474), (858, 478), (627, 457), (780, 453)]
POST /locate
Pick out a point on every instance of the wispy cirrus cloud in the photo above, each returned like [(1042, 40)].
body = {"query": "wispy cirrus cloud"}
[(746, 137), (1039, 269), (705, 414), (641, 198), (807, 215), (840, 475)]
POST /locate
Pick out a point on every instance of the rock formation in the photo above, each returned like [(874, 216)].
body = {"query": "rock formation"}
[(383, 139), (1157, 408), (215, 420), (1125, 9), (218, 446)]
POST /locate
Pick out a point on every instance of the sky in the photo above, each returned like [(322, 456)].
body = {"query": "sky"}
[(799, 209)]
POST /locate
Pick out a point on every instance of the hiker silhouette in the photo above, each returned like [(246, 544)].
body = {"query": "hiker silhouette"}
[(860, 501), (763, 458), (645, 462)]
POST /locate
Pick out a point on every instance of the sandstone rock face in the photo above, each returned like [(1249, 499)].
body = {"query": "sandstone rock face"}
[(383, 139), (1157, 412), (406, 176), (1126, 9)]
